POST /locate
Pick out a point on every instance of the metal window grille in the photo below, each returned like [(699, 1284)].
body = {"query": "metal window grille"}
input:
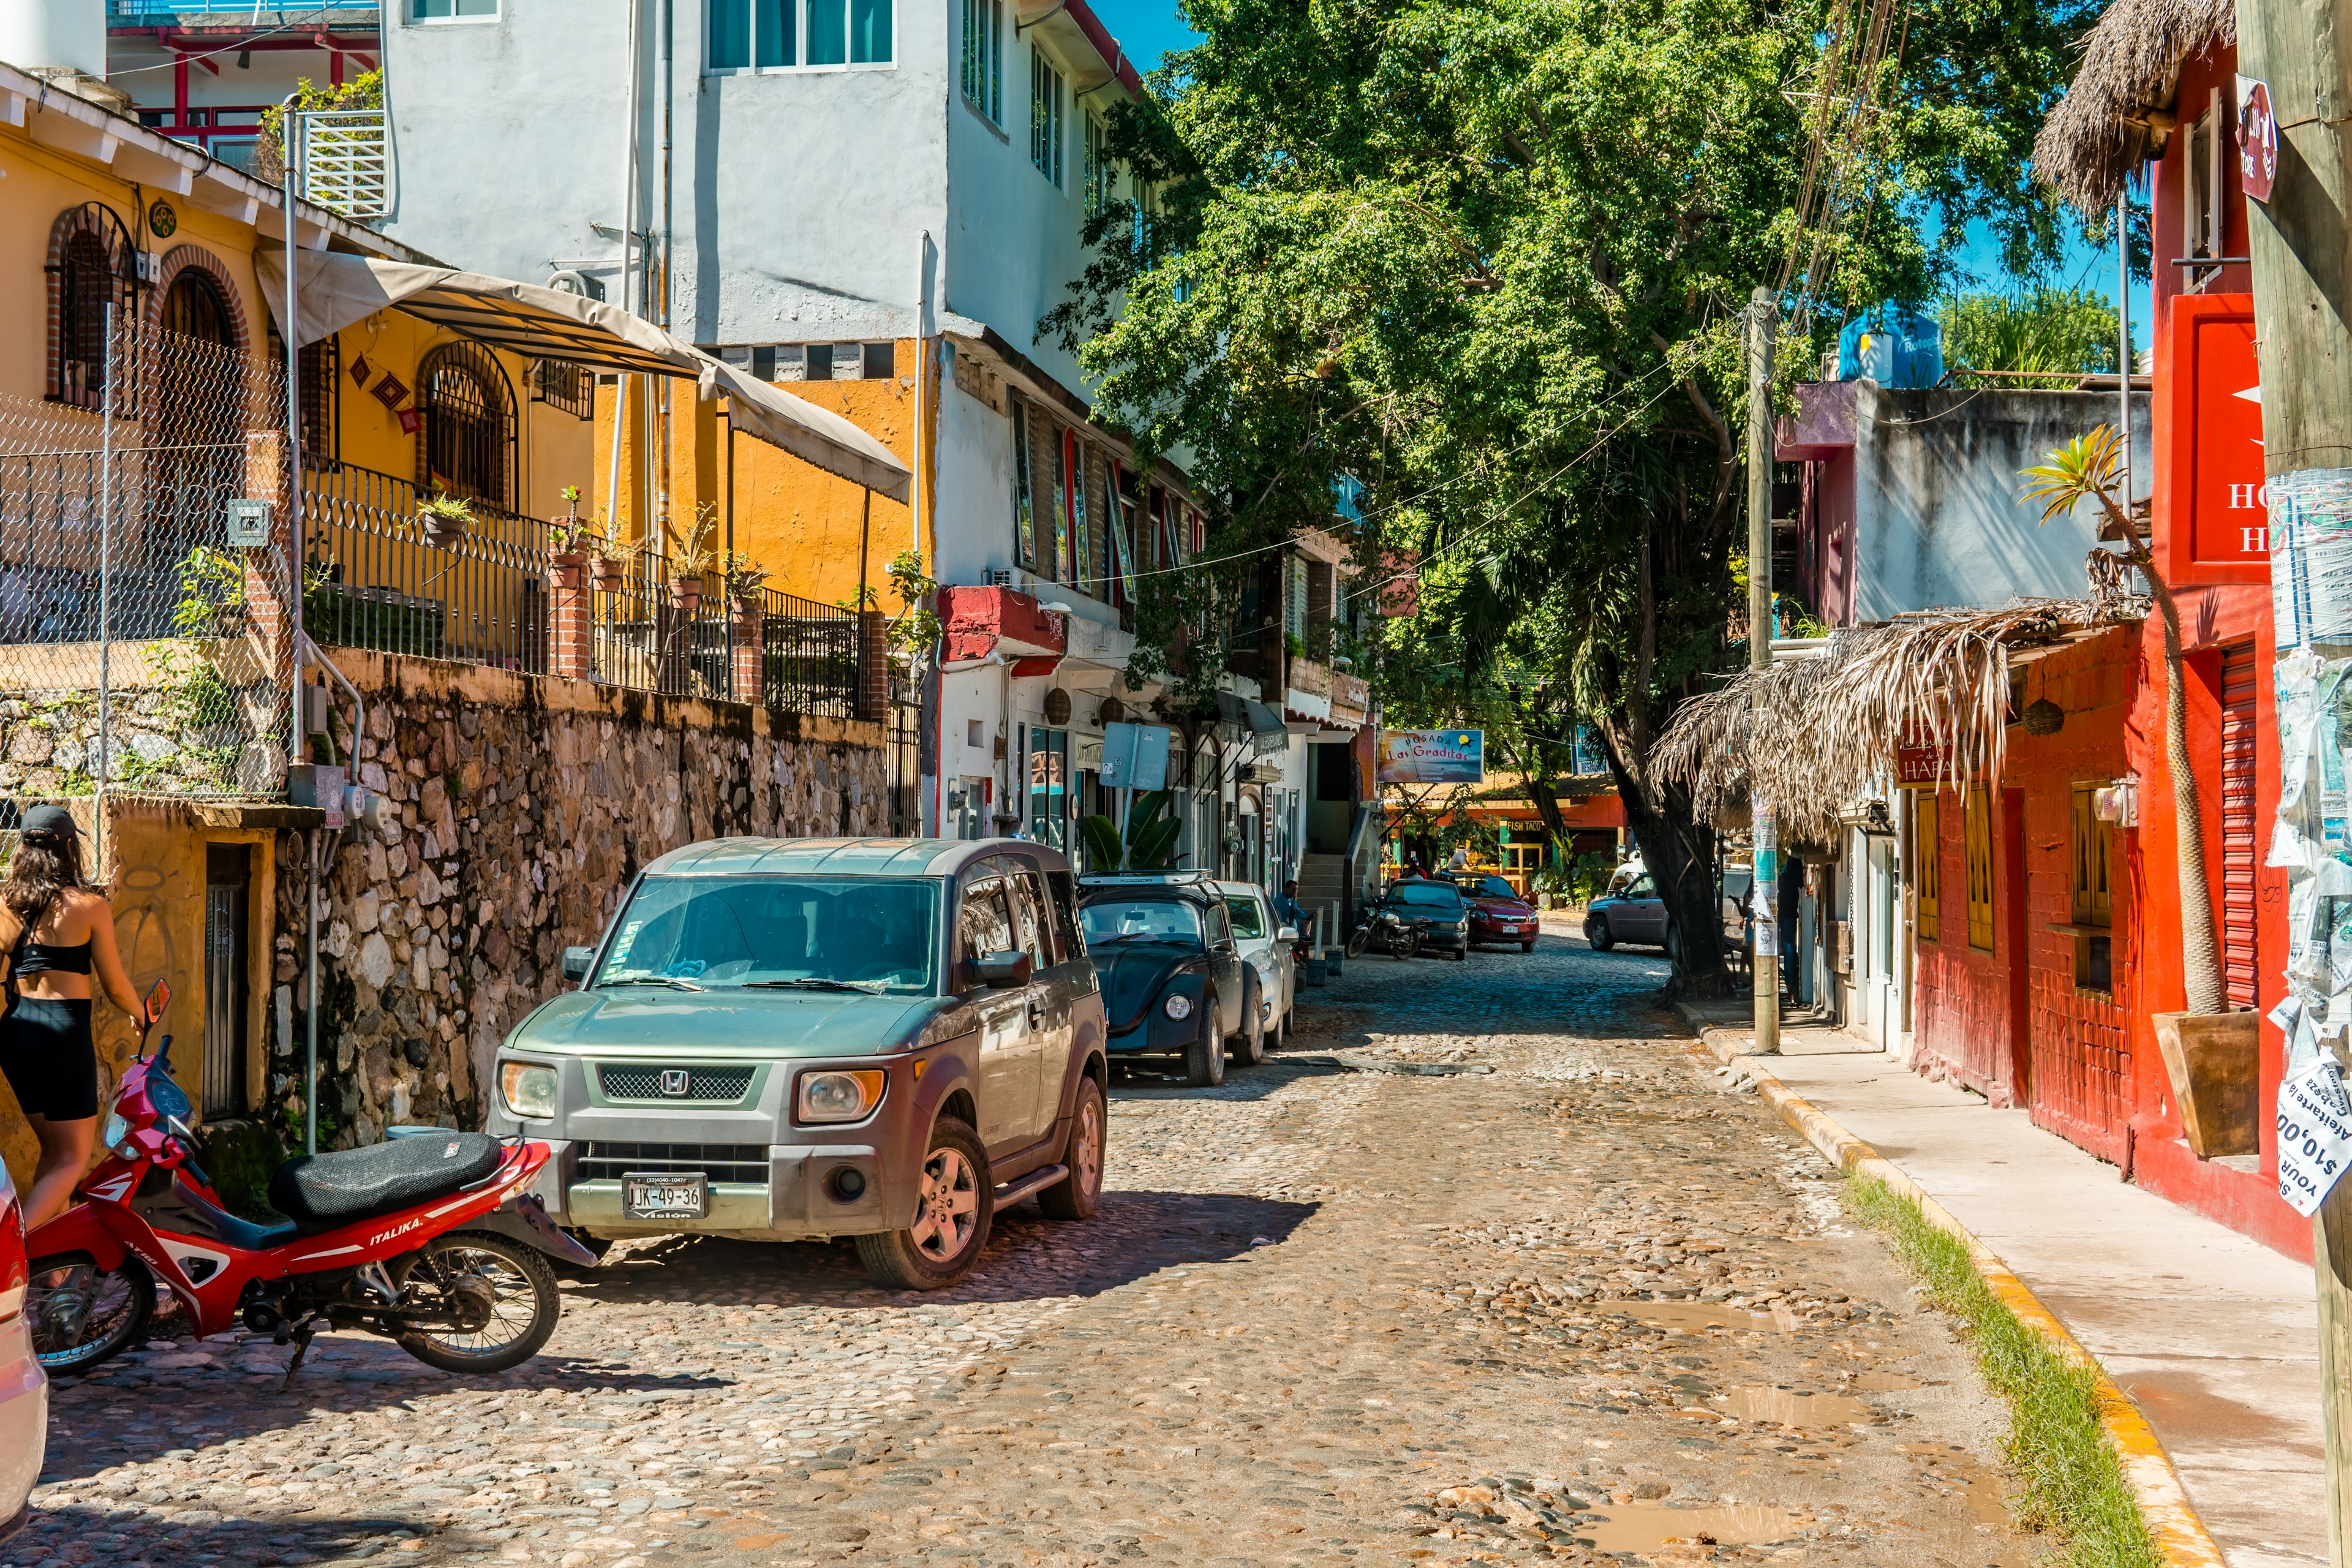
[(562, 384), (346, 163), (469, 439), (96, 266), (1045, 116)]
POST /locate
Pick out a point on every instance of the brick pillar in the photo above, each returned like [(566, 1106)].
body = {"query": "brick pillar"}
[(569, 628), (747, 640), (873, 666)]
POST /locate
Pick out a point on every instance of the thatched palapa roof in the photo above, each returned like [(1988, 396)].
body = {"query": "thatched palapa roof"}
[(1813, 734), (2100, 132)]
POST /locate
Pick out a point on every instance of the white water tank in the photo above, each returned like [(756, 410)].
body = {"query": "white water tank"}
[(37, 33)]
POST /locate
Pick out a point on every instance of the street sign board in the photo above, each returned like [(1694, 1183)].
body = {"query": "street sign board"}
[(1135, 756), (1432, 756), (2258, 142)]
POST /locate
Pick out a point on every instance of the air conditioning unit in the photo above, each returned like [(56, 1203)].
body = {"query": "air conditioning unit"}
[(1001, 577)]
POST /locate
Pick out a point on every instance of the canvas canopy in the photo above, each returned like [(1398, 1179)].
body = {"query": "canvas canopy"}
[(333, 291)]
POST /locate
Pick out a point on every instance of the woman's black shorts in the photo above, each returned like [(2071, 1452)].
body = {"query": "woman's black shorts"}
[(48, 1058)]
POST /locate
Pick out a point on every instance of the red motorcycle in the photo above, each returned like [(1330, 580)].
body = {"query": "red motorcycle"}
[(430, 1241)]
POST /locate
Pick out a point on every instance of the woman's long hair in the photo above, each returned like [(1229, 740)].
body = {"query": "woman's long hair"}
[(42, 868)]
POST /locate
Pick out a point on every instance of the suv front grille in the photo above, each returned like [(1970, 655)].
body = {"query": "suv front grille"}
[(719, 1161), (633, 1081)]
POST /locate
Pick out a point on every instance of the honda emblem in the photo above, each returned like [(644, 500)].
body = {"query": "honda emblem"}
[(675, 1081)]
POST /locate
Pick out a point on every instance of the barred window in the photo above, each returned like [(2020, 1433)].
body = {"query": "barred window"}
[(469, 424), (92, 265), (1099, 166), (562, 384)]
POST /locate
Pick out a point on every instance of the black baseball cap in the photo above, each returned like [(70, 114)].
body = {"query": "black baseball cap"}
[(47, 822)]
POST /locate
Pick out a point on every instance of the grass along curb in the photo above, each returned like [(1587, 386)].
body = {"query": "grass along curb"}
[(2070, 1480)]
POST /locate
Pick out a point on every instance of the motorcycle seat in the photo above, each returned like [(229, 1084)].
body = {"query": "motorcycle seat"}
[(321, 1191)]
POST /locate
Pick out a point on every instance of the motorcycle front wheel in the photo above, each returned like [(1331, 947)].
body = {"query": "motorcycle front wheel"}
[(81, 1315), (488, 1302), (1359, 939)]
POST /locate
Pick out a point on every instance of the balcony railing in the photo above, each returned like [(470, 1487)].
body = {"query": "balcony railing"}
[(375, 580)]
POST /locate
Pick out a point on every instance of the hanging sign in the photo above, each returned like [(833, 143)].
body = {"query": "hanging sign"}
[(2315, 1134), (2257, 139), (1432, 756), (1920, 766)]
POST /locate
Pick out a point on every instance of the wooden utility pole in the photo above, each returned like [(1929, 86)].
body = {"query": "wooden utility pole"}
[(2301, 249), (1763, 326)]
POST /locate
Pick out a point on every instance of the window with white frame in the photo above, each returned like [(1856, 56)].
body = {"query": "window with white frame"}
[(452, 10), (1097, 192), (1045, 115), (780, 34), (983, 57)]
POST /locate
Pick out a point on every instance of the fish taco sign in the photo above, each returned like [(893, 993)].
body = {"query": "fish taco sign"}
[(1433, 756)]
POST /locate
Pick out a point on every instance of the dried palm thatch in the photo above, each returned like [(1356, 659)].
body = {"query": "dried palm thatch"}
[(2102, 128), (1811, 735)]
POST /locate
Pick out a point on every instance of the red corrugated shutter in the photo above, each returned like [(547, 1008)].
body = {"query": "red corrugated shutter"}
[(2239, 966)]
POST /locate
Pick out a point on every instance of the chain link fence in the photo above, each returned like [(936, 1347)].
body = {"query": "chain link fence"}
[(133, 647)]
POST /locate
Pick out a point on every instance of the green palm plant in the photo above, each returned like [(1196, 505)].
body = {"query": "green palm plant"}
[(1148, 845), (2085, 468)]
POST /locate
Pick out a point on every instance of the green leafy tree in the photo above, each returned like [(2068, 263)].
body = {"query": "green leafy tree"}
[(2041, 330), (1489, 257)]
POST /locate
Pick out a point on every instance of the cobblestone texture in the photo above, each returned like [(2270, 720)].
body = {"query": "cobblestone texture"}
[(1326, 1315)]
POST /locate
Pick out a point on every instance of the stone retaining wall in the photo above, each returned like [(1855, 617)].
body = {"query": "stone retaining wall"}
[(521, 807)]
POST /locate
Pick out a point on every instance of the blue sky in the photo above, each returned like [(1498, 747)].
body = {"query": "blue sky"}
[(1147, 29)]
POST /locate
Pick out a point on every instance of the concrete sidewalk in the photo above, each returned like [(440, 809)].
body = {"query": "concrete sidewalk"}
[(2214, 1336)]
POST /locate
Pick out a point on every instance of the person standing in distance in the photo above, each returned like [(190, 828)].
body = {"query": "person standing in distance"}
[(57, 931)]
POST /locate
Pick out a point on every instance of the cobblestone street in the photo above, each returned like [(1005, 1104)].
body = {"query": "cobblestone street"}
[(1486, 1266)]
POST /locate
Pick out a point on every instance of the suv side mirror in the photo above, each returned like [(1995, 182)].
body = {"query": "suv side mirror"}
[(1002, 971), (577, 962), (1287, 934)]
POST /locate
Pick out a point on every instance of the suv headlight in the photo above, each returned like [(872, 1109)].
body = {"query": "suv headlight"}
[(529, 1090), (839, 1096)]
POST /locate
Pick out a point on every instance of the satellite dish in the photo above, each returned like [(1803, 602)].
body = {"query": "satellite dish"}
[(567, 280)]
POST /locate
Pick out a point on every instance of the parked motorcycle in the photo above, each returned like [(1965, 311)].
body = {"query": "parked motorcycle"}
[(432, 1242), (1384, 930)]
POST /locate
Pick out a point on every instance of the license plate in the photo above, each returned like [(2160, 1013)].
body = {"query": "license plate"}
[(666, 1197)]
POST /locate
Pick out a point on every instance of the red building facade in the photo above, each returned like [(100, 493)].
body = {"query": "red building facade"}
[(2012, 998)]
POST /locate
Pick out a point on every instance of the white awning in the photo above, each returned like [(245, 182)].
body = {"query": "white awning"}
[(336, 290)]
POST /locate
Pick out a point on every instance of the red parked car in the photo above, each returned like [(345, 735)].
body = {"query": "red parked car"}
[(1498, 914)]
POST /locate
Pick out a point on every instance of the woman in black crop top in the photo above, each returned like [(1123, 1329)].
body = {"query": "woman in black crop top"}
[(58, 933)]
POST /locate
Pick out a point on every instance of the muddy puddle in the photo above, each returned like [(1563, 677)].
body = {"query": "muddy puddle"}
[(1646, 1526), (1885, 1382), (1694, 1317), (1793, 1407)]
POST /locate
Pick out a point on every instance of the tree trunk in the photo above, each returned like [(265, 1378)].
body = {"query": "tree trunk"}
[(2200, 953), (1678, 851)]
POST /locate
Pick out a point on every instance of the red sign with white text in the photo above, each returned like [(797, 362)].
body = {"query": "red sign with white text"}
[(1920, 765), (2257, 139), (2222, 493)]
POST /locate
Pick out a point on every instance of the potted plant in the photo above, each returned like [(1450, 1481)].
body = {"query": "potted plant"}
[(743, 578), (444, 519), (567, 534), (686, 570), (608, 561)]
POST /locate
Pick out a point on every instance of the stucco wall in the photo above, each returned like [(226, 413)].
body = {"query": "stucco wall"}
[(525, 806), (1936, 518)]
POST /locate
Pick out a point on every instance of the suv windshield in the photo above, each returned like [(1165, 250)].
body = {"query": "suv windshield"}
[(1156, 920), (788, 932), (1425, 895)]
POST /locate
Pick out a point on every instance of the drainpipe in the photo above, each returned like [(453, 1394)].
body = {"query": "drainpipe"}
[(668, 443), (310, 1013), (290, 138), (628, 243)]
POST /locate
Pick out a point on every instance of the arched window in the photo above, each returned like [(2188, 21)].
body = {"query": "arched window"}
[(469, 424), (195, 307), (92, 264)]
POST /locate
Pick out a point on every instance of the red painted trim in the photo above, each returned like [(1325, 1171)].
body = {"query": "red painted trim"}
[(1105, 45)]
